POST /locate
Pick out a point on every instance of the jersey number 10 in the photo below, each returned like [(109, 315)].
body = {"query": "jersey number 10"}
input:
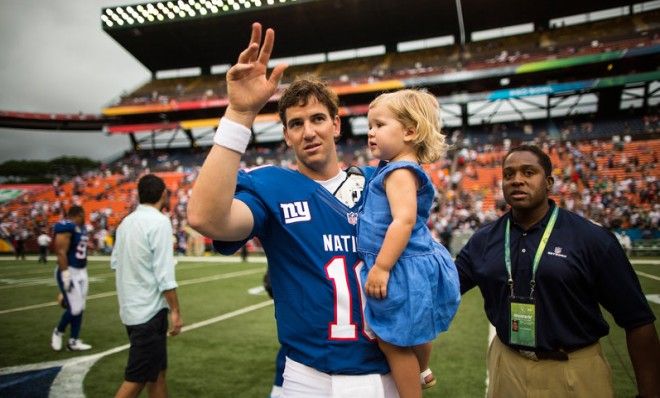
[(343, 327)]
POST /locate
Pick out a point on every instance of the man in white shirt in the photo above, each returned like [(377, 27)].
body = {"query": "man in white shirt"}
[(43, 241), (146, 288)]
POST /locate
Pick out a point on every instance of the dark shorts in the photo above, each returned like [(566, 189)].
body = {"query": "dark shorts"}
[(148, 353)]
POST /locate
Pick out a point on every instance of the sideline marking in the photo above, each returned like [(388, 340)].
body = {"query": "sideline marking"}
[(640, 261), (114, 293), (653, 298), (69, 381), (647, 275), (45, 277), (256, 291), (15, 283)]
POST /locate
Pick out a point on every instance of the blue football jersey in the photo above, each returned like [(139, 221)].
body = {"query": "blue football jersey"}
[(77, 253), (309, 239)]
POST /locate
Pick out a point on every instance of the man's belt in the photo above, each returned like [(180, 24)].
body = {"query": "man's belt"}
[(544, 355)]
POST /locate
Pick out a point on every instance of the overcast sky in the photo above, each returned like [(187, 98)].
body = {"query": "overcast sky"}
[(55, 57)]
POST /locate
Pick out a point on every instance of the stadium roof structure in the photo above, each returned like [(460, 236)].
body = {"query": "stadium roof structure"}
[(177, 34), (180, 34), (171, 34)]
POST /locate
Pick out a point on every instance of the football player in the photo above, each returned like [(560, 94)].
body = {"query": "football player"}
[(305, 220), (71, 276)]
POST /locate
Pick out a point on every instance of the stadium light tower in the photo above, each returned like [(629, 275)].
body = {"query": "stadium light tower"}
[(461, 24)]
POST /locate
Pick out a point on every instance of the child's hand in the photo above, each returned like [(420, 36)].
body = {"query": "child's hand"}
[(376, 285)]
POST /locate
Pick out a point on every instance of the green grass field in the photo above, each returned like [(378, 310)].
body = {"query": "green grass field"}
[(230, 356)]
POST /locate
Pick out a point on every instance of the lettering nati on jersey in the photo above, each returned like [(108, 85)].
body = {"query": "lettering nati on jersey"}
[(339, 243)]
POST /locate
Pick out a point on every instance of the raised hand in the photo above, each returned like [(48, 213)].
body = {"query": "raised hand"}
[(247, 84)]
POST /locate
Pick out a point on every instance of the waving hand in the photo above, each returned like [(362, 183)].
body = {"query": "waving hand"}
[(247, 84)]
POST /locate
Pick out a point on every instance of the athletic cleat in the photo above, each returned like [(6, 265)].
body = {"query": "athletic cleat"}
[(77, 345), (56, 340)]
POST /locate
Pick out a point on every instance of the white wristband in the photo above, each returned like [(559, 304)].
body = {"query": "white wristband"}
[(232, 135)]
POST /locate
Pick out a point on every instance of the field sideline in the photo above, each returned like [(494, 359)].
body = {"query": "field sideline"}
[(229, 342)]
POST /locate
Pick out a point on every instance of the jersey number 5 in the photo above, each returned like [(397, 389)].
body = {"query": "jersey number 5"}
[(343, 327), (81, 249)]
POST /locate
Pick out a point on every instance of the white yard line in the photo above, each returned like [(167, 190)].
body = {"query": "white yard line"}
[(15, 283), (644, 274), (640, 261), (69, 381), (113, 293)]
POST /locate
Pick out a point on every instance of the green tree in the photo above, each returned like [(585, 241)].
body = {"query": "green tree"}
[(38, 171)]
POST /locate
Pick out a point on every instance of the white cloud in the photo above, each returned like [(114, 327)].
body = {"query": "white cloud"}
[(56, 58)]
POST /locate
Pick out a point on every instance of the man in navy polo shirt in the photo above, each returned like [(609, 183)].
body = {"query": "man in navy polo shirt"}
[(543, 273)]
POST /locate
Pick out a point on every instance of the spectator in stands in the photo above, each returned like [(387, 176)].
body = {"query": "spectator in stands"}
[(195, 244), (625, 241), (244, 252), (293, 213), (181, 243), (43, 241), (20, 236), (146, 289), (549, 270)]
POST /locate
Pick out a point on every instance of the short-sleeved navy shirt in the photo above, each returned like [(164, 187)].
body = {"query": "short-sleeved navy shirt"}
[(77, 252), (309, 238), (582, 266)]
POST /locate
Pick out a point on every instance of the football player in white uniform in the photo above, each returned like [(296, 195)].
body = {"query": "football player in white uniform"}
[(71, 276)]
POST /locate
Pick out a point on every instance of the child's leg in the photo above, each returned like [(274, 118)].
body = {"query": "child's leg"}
[(423, 353), (405, 369)]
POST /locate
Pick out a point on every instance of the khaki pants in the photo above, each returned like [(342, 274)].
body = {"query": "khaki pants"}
[(586, 374)]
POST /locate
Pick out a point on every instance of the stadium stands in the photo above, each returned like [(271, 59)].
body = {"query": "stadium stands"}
[(612, 34), (613, 182)]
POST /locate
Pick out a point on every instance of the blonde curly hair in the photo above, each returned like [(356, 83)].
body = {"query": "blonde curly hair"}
[(417, 110)]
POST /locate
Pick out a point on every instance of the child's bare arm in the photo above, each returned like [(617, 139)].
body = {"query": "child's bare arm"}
[(401, 189)]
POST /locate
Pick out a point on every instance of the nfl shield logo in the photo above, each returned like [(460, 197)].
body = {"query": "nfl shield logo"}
[(352, 218), (557, 250)]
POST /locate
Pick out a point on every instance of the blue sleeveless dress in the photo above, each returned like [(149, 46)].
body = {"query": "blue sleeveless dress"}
[(423, 291)]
